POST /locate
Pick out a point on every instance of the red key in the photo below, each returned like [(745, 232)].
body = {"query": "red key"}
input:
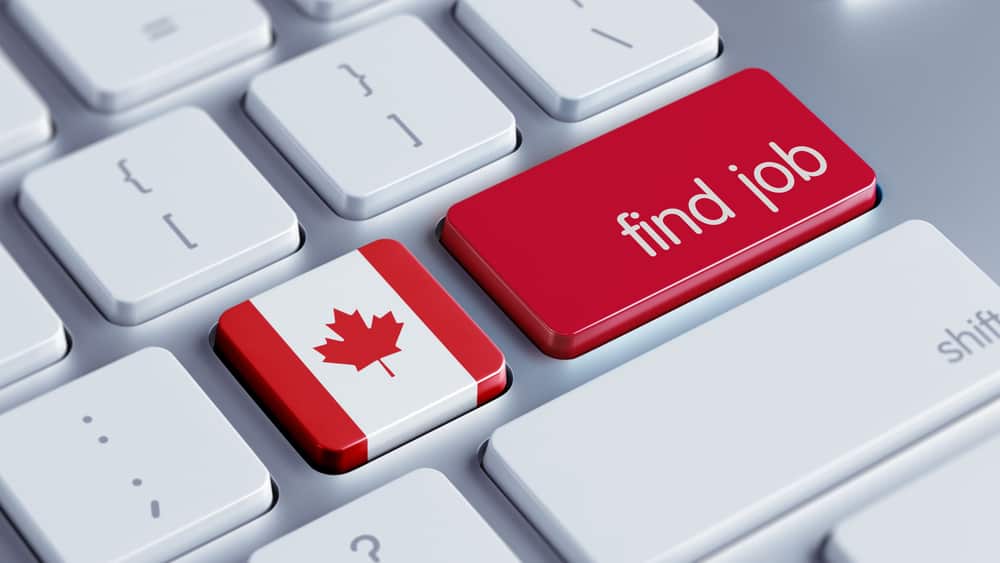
[(618, 231)]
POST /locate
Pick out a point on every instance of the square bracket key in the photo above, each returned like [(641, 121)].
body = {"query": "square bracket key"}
[(380, 117), (159, 215)]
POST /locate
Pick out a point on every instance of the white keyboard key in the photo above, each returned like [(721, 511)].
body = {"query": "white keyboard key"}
[(380, 117), (331, 9), (159, 215), (129, 463), (580, 57), (31, 335), (122, 52), (24, 117), (948, 515), (725, 428), (418, 517)]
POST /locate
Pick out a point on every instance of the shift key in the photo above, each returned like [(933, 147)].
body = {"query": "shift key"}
[(717, 432), (620, 230)]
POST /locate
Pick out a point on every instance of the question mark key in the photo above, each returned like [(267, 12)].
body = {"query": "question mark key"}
[(419, 517)]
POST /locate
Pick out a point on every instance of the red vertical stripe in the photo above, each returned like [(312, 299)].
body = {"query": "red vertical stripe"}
[(442, 315), (307, 412)]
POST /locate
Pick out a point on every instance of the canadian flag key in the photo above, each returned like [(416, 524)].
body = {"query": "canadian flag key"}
[(360, 355)]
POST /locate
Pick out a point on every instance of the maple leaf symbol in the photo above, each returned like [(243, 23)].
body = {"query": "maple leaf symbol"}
[(360, 345)]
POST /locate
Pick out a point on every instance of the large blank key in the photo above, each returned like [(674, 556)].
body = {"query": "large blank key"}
[(418, 517), (381, 117), (138, 443), (720, 430), (122, 52), (31, 335), (580, 57), (948, 515), (24, 117), (158, 215)]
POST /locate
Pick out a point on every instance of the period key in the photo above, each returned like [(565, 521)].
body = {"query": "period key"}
[(658, 212)]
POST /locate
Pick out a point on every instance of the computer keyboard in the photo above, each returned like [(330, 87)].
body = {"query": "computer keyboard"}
[(276, 283)]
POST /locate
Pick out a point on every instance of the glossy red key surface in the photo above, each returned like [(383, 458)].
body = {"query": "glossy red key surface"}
[(618, 231)]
